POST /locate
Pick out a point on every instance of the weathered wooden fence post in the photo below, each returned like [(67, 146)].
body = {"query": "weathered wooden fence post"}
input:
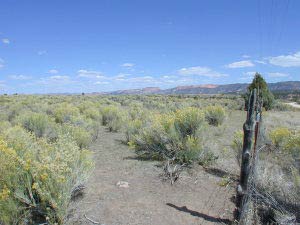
[(249, 130)]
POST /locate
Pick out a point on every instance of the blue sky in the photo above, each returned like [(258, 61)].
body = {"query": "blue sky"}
[(101, 45)]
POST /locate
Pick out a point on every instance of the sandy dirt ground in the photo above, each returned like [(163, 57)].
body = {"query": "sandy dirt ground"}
[(197, 198), (294, 104)]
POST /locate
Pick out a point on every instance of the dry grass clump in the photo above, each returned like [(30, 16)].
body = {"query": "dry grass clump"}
[(237, 145), (278, 174)]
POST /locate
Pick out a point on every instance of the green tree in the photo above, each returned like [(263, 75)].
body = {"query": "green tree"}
[(260, 85)]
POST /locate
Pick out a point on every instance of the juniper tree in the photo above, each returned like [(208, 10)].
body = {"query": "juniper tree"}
[(260, 84)]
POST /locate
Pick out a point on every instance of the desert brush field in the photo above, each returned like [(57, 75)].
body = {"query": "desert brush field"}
[(138, 159)]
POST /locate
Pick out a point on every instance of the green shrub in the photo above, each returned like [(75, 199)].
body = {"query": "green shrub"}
[(192, 151), (292, 146), (37, 177), (4, 125), (36, 123), (152, 142), (132, 128), (92, 113), (79, 135), (112, 117), (188, 121), (280, 136), (90, 110), (136, 112), (215, 115), (64, 112), (173, 136)]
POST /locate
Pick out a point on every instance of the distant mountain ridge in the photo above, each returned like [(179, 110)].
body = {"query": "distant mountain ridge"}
[(208, 89)]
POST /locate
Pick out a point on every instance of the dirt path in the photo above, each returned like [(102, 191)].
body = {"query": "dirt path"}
[(294, 104), (195, 199)]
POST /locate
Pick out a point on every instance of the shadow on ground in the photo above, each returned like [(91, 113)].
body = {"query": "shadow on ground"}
[(201, 215), (221, 173)]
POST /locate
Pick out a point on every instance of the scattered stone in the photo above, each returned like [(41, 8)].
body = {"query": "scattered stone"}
[(123, 184)]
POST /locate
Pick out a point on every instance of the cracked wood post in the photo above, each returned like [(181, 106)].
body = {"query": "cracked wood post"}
[(249, 129)]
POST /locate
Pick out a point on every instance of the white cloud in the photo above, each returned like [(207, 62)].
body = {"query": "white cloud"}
[(90, 74), (20, 77), (128, 65), (200, 71), (247, 76), (102, 82), (250, 73), (246, 56), (240, 64), (122, 75), (169, 79), (5, 41), (3, 86), (1, 63), (260, 62), (278, 75), (53, 71), (42, 52), (144, 79), (59, 77), (292, 60)]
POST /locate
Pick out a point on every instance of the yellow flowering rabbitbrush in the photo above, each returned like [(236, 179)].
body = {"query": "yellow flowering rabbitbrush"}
[(38, 176)]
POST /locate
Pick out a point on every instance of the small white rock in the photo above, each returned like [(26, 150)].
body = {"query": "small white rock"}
[(123, 184)]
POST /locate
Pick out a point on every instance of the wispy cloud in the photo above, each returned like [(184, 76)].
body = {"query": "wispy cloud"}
[(102, 82), (58, 77), (278, 75), (90, 74), (260, 61), (5, 41), (128, 65), (240, 64), (52, 84), (42, 52), (144, 79), (292, 60), (20, 77), (53, 71), (3, 86), (250, 73), (121, 77), (200, 71), (247, 76), (246, 56)]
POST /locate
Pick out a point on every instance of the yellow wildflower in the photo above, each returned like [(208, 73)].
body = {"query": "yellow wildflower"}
[(4, 194), (35, 186), (44, 176)]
